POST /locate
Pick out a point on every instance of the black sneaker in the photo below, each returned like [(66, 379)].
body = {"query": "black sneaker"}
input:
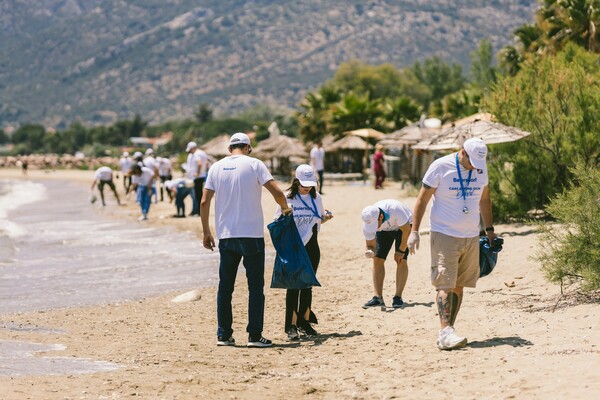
[(307, 330), (221, 341), (292, 333), (376, 301), (397, 302), (259, 342)]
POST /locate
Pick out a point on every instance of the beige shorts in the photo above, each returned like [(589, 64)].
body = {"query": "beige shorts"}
[(454, 261)]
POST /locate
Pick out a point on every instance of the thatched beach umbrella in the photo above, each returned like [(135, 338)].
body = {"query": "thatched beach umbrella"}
[(490, 132), (217, 147), (279, 149)]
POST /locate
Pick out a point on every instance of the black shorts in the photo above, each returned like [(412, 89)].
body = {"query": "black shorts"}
[(384, 241), (109, 183)]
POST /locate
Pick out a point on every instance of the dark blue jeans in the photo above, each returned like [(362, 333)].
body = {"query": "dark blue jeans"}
[(252, 251)]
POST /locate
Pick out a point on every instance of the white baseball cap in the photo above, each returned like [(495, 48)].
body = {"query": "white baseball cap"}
[(125, 154), (238, 138), (476, 151), (137, 154), (149, 151), (306, 175), (190, 146), (370, 217)]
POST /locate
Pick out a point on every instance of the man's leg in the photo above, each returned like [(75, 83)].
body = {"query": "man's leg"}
[(448, 303), (114, 190), (101, 190), (320, 173), (254, 262), (228, 266), (401, 277), (378, 275)]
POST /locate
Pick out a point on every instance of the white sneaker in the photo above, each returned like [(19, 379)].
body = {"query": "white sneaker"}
[(449, 340)]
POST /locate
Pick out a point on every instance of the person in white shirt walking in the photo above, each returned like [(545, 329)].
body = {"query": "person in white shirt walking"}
[(317, 161), (125, 163), (458, 184), (309, 214), (196, 169), (104, 176), (384, 223), (164, 172), (236, 184)]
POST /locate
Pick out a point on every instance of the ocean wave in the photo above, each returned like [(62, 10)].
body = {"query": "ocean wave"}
[(14, 194)]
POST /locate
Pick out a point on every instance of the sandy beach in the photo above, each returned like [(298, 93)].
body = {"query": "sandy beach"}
[(523, 344)]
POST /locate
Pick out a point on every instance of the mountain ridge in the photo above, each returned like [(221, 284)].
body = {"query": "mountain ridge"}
[(102, 60)]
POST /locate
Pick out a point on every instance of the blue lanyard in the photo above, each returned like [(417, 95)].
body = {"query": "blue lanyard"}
[(314, 211), (463, 188)]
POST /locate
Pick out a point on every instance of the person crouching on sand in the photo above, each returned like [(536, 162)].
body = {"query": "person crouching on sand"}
[(142, 180)]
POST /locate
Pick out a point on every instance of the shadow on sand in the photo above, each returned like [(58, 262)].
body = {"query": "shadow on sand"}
[(513, 341)]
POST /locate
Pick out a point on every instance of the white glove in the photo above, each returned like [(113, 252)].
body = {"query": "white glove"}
[(413, 242), (369, 254)]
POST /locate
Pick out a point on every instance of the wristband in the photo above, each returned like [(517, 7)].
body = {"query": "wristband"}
[(489, 229)]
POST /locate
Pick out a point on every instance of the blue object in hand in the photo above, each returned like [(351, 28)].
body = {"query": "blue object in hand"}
[(488, 254)]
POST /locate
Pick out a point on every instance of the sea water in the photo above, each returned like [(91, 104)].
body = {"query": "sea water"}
[(58, 250)]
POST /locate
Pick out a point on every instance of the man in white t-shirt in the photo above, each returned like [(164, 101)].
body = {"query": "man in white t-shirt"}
[(104, 176), (125, 163), (164, 172), (317, 161), (236, 183), (384, 223), (196, 169), (458, 184)]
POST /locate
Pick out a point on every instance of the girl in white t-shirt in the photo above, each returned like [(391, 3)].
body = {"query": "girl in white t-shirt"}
[(308, 213)]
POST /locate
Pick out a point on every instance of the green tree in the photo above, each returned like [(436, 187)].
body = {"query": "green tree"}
[(313, 116), (3, 137), (401, 112), (557, 99), (441, 78), (31, 137), (355, 112), (571, 254), (376, 82), (204, 113), (483, 73)]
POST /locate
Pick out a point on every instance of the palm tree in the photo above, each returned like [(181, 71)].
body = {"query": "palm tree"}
[(312, 118), (573, 21), (401, 112), (355, 112)]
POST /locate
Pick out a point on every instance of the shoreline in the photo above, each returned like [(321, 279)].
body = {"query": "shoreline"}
[(517, 347)]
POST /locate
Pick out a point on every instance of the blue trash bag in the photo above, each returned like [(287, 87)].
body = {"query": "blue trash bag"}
[(292, 269), (488, 254)]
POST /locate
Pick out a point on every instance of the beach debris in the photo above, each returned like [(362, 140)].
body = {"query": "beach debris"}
[(193, 295), (510, 284)]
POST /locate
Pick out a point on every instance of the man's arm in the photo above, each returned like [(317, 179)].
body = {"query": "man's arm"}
[(278, 195), (93, 184), (420, 206), (208, 241), (485, 208)]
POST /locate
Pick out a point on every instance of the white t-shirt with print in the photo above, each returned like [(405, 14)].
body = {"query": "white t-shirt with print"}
[(192, 167), (399, 215), (104, 174), (318, 155), (304, 217), (237, 182), (150, 162), (164, 167), (447, 214), (145, 178)]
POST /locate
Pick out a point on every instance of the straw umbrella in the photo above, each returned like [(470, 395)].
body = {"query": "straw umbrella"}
[(217, 147), (453, 137), (279, 149)]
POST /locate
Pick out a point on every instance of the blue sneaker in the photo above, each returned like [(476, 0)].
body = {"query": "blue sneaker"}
[(376, 301), (397, 302)]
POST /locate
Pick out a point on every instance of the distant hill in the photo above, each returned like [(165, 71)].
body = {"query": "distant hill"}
[(99, 60)]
